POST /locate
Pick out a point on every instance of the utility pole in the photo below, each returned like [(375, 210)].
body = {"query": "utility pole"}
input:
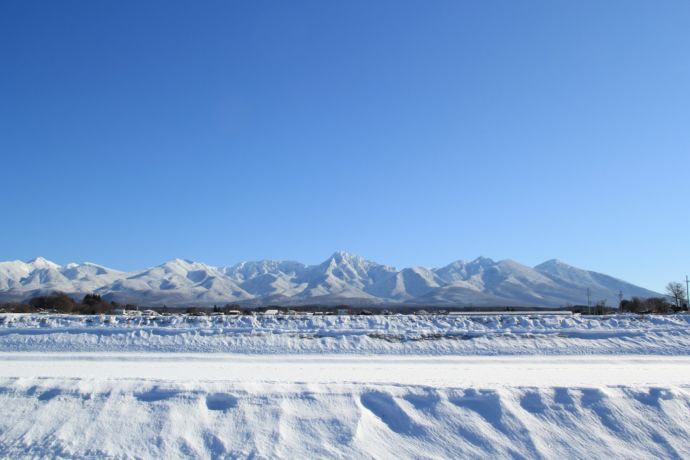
[(620, 299), (589, 302), (687, 292)]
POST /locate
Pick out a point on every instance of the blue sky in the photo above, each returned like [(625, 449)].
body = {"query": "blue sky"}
[(408, 132)]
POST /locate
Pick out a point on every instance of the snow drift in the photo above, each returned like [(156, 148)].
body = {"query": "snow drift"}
[(345, 395), (396, 334), (145, 419)]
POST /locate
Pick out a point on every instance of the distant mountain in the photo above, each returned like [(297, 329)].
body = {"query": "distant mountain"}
[(342, 278), (176, 282), (40, 275)]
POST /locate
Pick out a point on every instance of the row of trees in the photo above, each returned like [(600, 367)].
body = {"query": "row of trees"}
[(91, 304), (650, 305), (676, 300)]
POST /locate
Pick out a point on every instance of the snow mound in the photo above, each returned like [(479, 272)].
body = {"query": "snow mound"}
[(398, 334)]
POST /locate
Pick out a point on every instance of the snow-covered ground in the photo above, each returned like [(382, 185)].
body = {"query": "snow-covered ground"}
[(447, 371), (141, 418), (398, 334), (345, 387)]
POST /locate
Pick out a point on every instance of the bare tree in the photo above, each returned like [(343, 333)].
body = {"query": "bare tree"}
[(600, 307), (677, 292)]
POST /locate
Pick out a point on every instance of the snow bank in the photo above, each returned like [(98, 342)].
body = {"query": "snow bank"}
[(399, 334), (149, 419), (120, 400)]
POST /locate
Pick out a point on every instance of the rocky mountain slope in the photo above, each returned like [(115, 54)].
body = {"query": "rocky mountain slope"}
[(342, 278)]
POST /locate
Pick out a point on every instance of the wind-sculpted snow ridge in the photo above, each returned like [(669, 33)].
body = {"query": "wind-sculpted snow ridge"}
[(47, 418), (396, 334)]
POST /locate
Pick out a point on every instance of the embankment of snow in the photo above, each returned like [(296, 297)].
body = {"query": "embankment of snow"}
[(398, 334), (149, 419)]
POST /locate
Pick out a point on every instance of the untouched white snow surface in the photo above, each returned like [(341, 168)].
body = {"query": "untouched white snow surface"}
[(345, 387), (463, 371)]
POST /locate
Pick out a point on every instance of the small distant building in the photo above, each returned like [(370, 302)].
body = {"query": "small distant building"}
[(271, 312), (343, 311)]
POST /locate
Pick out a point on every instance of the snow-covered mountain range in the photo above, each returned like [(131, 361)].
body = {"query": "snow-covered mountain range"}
[(342, 278)]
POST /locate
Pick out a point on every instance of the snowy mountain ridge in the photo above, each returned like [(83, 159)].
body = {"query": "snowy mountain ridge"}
[(342, 278)]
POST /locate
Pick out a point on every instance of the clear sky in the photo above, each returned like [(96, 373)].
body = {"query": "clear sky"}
[(409, 132)]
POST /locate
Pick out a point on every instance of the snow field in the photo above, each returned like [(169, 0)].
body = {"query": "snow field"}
[(507, 386), (431, 371), (78, 418), (398, 334)]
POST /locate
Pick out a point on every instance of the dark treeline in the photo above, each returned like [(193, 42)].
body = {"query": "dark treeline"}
[(93, 304), (59, 302), (650, 305)]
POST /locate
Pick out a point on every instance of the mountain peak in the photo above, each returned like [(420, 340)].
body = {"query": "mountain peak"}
[(511, 263), (346, 259), (481, 260), (179, 261), (552, 263), (344, 255), (41, 262)]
